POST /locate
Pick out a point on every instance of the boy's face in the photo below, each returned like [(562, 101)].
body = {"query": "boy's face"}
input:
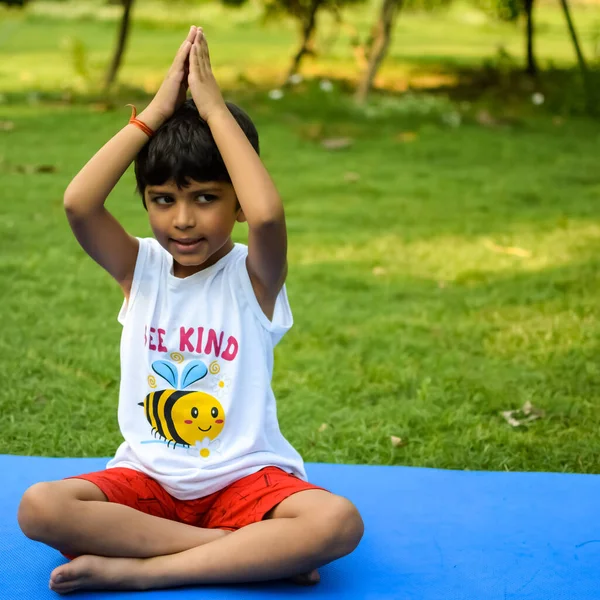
[(194, 223)]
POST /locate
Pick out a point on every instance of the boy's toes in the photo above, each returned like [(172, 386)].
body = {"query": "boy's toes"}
[(61, 584), (69, 577), (61, 575), (311, 578)]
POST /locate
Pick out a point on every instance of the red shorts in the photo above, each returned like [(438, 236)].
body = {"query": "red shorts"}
[(244, 501)]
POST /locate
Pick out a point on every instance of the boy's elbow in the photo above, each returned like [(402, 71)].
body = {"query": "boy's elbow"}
[(267, 220), (72, 204), (265, 223), (69, 202)]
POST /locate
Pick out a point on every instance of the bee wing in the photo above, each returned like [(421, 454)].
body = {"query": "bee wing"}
[(195, 371), (166, 370)]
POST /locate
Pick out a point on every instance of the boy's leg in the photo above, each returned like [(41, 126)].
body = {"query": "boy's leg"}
[(306, 530), (74, 516)]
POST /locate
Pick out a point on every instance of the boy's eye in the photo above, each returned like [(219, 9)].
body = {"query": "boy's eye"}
[(204, 198), (201, 198), (162, 199)]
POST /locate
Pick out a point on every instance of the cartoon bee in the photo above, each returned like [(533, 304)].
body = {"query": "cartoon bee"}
[(182, 417)]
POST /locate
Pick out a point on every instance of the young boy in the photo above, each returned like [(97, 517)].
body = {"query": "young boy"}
[(204, 489)]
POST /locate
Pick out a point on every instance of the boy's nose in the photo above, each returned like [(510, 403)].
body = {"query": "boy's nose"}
[(184, 217)]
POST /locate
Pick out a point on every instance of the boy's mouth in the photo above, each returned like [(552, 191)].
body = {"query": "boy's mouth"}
[(187, 245)]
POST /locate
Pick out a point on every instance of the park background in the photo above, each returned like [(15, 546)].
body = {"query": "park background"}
[(443, 231)]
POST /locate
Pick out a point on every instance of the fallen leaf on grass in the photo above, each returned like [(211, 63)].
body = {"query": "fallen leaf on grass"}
[(312, 131), (397, 442), (323, 427), (26, 169), (102, 107), (6, 125), (521, 416), (406, 136), (485, 118), (379, 271), (337, 143), (31, 169), (351, 176), (507, 249)]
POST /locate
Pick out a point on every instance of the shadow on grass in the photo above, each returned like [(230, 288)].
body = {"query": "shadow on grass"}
[(563, 91), (500, 84)]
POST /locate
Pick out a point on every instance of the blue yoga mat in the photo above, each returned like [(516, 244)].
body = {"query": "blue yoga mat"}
[(430, 535)]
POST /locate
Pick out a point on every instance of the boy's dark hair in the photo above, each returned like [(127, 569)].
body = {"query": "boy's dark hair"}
[(183, 148)]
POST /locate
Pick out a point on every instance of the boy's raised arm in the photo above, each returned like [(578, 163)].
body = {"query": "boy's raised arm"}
[(98, 232), (256, 192)]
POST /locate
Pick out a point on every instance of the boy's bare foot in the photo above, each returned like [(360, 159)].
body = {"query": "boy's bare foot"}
[(90, 572)]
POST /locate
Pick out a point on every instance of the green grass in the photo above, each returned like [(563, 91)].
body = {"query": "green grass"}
[(411, 319)]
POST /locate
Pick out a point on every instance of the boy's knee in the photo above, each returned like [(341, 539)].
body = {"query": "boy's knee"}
[(343, 525), (37, 510)]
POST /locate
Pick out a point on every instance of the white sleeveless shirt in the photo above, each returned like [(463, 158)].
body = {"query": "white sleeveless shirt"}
[(196, 408)]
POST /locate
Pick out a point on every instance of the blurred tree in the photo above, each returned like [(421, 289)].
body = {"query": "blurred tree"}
[(377, 46), (19, 3), (510, 10), (513, 10), (531, 68), (121, 42), (583, 67), (305, 12), (372, 53)]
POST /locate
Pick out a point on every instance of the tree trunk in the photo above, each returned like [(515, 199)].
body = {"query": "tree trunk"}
[(308, 29), (379, 47), (585, 74), (532, 68), (121, 43)]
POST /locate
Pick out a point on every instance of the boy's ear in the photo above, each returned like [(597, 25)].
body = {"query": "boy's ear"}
[(240, 217)]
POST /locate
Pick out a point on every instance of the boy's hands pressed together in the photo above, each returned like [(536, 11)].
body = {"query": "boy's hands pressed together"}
[(172, 92), (203, 85), (261, 206)]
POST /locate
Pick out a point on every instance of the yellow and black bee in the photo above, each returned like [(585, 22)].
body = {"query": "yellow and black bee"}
[(183, 417)]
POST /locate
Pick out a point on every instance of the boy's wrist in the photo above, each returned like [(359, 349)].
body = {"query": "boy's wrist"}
[(151, 118), (217, 114)]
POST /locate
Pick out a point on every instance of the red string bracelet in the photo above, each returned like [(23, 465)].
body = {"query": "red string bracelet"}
[(138, 123)]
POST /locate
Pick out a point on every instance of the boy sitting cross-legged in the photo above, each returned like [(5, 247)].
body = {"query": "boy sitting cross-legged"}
[(204, 488)]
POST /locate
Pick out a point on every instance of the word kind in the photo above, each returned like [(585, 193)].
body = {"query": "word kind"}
[(194, 339)]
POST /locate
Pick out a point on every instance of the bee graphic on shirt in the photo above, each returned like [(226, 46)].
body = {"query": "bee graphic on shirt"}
[(183, 417)]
